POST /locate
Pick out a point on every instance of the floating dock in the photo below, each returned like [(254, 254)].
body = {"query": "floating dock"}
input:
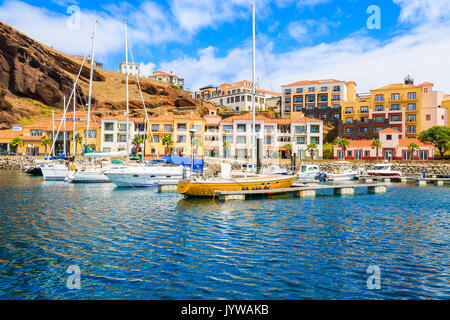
[(440, 182), (302, 191)]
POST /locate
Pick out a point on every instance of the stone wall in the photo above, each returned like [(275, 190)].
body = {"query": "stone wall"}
[(10, 163)]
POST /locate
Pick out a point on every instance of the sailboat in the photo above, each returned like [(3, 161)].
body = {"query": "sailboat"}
[(201, 187), (140, 175)]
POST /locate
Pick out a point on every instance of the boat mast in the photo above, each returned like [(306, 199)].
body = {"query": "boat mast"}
[(127, 115), (64, 124), (53, 132), (90, 90), (74, 120), (254, 90)]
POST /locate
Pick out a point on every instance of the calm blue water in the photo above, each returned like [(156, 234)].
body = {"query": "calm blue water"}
[(138, 244)]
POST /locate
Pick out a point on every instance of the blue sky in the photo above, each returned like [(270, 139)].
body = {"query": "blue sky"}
[(207, 41)]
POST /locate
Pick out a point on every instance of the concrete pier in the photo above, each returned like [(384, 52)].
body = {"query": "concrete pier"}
[(167, 187), (344, 191)]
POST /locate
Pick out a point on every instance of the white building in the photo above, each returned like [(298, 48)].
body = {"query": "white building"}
[(134, 69), (114, 133), (167, 78), (276, 133)]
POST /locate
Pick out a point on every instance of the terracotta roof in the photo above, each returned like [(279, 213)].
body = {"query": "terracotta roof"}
[(360, 144), (389, 130), (248, 116), (406, 142), (304, 82)]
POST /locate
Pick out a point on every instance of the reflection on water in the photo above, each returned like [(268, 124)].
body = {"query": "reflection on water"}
[(138, 244)]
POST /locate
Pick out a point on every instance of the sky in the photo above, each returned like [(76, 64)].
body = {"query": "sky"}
[(209, 42)]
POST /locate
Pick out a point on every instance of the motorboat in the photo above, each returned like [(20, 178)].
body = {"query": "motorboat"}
[(275, 170), (208, 187), (89, 174), (308, 173), (344, 172), (384, 170), (55, 171)]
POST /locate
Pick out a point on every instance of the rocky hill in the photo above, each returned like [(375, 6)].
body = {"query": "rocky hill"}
[(34, 78)]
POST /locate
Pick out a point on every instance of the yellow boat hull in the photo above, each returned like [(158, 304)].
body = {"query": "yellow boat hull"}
[(208, 189)]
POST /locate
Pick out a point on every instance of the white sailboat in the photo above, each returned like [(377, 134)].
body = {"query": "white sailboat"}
[(140, 175)]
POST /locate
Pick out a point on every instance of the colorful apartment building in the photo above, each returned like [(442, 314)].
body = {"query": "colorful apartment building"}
[(238, 97), (32, 135), (231, 137), (405, 107), (394, 147), (167, 78), (319, 99), (134, 69)]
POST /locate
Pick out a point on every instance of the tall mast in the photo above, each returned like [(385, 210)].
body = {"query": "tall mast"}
[(53, 132), (126, 68), (74, 119), (90, 88), (254, 88), (64, 123)]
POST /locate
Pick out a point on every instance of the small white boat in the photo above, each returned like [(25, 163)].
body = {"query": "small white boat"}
[(384, 170), (275, 170), (55, 171), (343, 173), (308, 173), (144, 176), (88, 174)]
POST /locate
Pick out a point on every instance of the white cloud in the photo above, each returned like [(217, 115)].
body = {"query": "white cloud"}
[(147, 68), (305, 30), (423, 10)]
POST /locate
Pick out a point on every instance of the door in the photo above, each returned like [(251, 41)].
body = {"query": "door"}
[(388, 154), (358, 155), (406, 155), (423, 155)]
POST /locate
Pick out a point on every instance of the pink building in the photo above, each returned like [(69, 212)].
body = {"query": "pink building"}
[(393, 148)]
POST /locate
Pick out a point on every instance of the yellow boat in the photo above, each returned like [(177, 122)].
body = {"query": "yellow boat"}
[(208, 188)]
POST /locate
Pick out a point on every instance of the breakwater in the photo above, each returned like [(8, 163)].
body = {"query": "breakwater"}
[(10, 163)]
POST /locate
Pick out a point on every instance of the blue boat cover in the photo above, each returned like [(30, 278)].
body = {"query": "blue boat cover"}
[(184, 161)]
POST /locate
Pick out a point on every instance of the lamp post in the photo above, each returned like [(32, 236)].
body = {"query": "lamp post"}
[(193, 131)]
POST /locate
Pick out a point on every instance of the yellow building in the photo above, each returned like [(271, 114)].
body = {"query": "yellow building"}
[(178, 127), (405, 107)]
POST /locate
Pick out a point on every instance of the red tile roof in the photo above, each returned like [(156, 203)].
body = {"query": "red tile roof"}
[(389, 130), (304, 82)]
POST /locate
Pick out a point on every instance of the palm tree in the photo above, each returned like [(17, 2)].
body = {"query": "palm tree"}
[(226, 147), (377, 144), (16, 142), (197, 143), (412, 147), (328, 150), (45, 143), (78, 140), (138, 140), (288, 148), (342, 143), (311, 148), (168, 143)]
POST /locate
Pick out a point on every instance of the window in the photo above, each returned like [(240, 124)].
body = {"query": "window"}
[(238, 99), (395, 107), (232, 100), (287, 100), (412, 107), (288, 91), (358, 155), (364, 119), (168, 128), (389, 137), (109, 138), (268, 140), (379, 119), (336, 116), (287, 109), (364, 130), (257, 127), (181, 127), (299, 90), (428, 117), (241, 140), (299, 99), (324, 89), (349, 110), (336, 106), (379, 108), (315, 140), (268, 129), (311, 99), (349, 120), (228, 139), (156, 139), (364, 109), (348, 130), (300, 140), (350, 153), (324, 106), (395, 96), (412, 118), (378, 129), (92, 133), (241, 127), (300, 129), (228, 129), (411, 129), (123, 127), (311, 89), (406, 155), (181, 139), (323, 117), (379, 97), (36, 133), (336, 98), (412, 96), (315, 129), (155, 127), (366, 154), (396, 128), (109, 126), (395, 118), (336, 88), (122, 138), (423, 155)]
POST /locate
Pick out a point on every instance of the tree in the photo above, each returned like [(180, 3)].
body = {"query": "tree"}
[(78, 140), (439, 136), (226, 147), (311, 148), (168, 143), (377, 144), (197, 143), (288, 148), (45, 143), (137, 141), (412, 147), (16, 142), (342, 143), (328, 150)]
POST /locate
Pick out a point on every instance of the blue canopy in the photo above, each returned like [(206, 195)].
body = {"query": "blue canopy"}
[(184, 161)]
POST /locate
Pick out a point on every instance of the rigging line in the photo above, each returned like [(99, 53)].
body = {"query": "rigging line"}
[(265, 62), (66, 107), (143, 103)]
